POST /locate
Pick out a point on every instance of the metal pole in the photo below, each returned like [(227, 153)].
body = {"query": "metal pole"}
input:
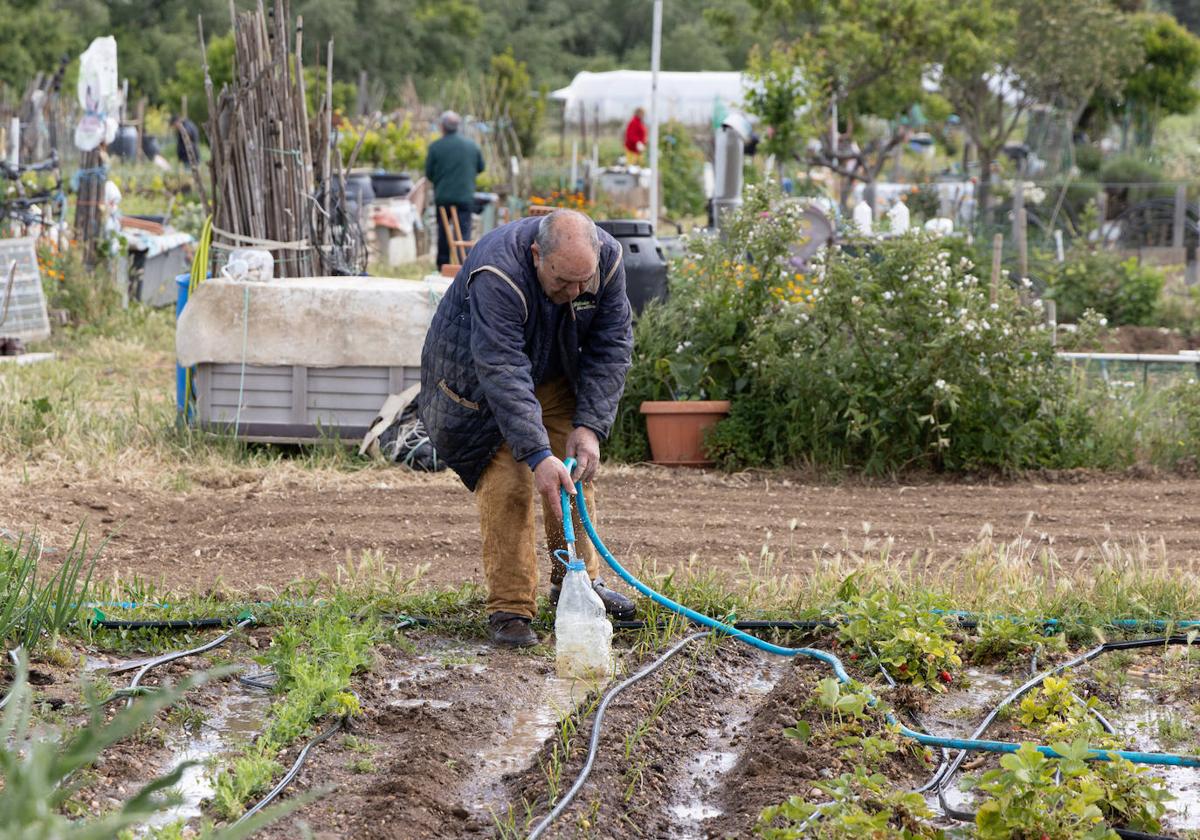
[(655, 60)]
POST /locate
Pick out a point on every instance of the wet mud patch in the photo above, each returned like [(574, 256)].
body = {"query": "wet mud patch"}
[(440, 729)]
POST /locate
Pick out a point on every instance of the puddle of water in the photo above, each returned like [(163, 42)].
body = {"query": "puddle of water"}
[(238, 718), (513, 748), (694, 786), (433, 667), (1136, 719), (419, 702)]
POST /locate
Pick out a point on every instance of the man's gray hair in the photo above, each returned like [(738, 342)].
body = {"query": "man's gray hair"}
[(549, 232), (450, 122)]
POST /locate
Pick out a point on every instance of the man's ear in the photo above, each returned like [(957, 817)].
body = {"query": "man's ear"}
[(537, 255)]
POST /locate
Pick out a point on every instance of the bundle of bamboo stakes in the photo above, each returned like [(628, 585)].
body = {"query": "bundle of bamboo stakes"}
[(269, 192)]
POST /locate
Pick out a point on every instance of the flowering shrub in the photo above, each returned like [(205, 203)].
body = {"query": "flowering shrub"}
[(560, 198), (1119, 289), (891, 358), (692, 346)]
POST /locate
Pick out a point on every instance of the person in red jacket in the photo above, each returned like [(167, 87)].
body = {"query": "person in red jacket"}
[(635, 135)]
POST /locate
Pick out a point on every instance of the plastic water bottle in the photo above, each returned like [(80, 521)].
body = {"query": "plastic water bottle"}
[(582, 632)]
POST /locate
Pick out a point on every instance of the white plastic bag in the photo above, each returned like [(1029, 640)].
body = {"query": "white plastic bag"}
[(252, 265)]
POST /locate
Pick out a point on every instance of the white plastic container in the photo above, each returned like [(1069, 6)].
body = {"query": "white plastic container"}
[(582, 632)]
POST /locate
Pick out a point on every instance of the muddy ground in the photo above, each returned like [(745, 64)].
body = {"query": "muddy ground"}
[(252, 531), (457, 739)]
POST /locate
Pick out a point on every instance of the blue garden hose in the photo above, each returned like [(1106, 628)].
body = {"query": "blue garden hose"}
[(829, 659)]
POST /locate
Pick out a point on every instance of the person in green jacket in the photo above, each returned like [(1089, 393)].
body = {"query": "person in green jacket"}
[(451, 165)]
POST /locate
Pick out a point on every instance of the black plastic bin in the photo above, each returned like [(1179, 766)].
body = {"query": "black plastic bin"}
[(645, 265)]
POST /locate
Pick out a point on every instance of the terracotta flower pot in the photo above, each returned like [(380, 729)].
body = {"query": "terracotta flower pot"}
[(676, 429)]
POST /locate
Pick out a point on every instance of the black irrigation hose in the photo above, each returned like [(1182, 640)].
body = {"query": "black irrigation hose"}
[(264, 680), (916, 719), (1106, 647), (171, 657), (594, 744), (174, 624), (292, 773)]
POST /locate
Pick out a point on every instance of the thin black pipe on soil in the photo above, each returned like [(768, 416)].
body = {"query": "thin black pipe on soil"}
[(171, 657), (174, 624), (594, 744), (294, 771)]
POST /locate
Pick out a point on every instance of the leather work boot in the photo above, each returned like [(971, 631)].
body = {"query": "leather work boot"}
[(615, 604), (510, 630)]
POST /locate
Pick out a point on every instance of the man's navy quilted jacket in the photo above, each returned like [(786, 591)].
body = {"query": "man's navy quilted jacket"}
[(491, 342)]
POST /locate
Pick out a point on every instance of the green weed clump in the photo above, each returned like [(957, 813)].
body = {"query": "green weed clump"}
[(862, 805), (1121, 290), (35, 612), (314, 661)]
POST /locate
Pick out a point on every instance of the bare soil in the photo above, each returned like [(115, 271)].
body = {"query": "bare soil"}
[(251, 531)]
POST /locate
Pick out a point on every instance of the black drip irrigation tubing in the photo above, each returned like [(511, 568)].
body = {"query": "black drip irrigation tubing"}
[(171, 657), (289, 777), (257, 680), (1033, 682), (594, 743)]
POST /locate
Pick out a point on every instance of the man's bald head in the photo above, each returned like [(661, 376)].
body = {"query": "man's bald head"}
[(566, 252)]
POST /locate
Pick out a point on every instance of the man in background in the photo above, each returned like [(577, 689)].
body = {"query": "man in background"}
[(451, 165)]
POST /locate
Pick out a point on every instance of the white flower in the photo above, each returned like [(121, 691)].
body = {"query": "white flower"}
[(940, 384), (994, 307), (888, 295), (1103, 321)]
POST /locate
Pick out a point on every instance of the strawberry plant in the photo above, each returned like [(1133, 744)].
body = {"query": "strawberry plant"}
[(1011, 640), (1055, 711), (861, 805), (1041, 798), (913, 643)]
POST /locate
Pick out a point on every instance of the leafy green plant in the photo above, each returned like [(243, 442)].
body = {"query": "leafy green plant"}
[(862, 805), (393, 147), (907, 638), (1120, 289), (890, 357), (1067, 798), (40, 775), (1011, 640), (1054, 710)]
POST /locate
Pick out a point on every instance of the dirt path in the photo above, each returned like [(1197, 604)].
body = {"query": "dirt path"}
[(256, 531)]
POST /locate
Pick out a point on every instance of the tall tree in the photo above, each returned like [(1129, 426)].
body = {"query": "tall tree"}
[(1164, 82), (1005, 56), (864, 60)]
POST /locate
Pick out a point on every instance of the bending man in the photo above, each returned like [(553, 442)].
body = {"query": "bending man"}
[(523, 367)]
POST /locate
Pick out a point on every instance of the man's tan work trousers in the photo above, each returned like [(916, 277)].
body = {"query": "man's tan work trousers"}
[(506, 502)]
